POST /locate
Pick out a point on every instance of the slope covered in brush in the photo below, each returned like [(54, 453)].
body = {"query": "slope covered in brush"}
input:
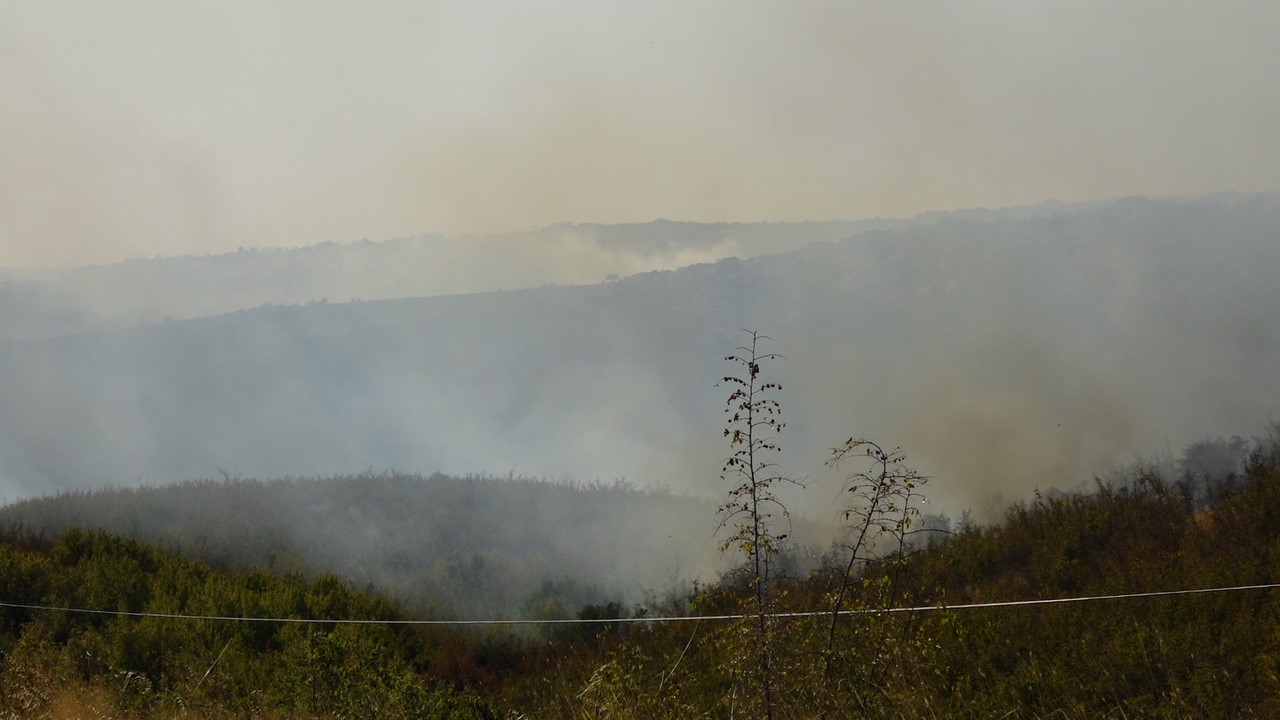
[(77, 664), (1197, 654), (476, 547)]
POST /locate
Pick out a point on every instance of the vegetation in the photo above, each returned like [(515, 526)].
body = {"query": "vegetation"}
[(752, 512), (888, 626), (83, 664), (1202, 655), (883, 506), (475, 547), (1199, 655)]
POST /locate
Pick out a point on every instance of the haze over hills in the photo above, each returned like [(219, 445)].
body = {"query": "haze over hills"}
[(56, 301), (59, 301), (484, 409), (1003, 350), (471, 547)]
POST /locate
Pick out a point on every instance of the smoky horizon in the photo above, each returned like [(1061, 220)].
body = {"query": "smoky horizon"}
[(146, 130)]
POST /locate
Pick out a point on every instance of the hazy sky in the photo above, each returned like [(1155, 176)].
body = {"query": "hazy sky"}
[(145, 128)]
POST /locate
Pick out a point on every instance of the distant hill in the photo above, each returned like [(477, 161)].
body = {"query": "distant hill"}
[(472, 547), (32, 308), (61, 301), (48, 302), (1003, 351)]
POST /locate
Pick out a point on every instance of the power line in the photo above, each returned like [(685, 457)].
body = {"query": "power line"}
[(672, 618)]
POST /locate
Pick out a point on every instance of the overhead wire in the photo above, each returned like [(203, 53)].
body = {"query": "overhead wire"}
[(648, 619)]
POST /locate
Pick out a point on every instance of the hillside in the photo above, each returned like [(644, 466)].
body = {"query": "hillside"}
[(1177, 655), (107, 665), (470, 547), (1198, 654), (48, 302), (148, 290), (1008, 352)]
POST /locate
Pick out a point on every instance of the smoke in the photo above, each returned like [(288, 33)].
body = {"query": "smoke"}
[(1008, 415), (1003, 351), (1007, 354), (143, 130)]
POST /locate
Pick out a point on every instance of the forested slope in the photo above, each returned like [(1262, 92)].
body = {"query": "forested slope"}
[(1212, 654), (472, 547)]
